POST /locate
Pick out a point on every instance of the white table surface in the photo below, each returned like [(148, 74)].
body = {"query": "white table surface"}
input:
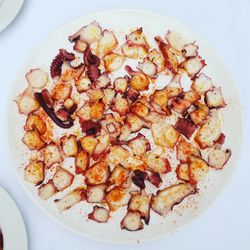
[(225, 24)]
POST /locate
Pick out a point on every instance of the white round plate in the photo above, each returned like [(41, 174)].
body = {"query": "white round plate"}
[(11, 224), (121, 22), (8, 11)]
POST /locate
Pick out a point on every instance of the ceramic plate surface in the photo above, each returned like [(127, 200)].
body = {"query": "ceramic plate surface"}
[(8, 11), (11, 224), (122, 22)]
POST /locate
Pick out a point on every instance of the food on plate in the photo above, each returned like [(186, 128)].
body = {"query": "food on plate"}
[(99, 214), (165, 199), (70, 200), (99, 117), (34, 172)]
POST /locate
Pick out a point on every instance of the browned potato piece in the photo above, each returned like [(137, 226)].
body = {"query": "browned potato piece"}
[(134, 163), (69, 145), (33, 140), (200, 115), (95, 94), (209, 132), (156, 164), (81, 161), (70, 200), (117, 155), (164, 135), (97, 109), (52, 154), (155, 117), (139, 82), (34, 172), (117, 197), (125, 132), (198, 168), (61, 92), (185, 149), (68, 73), (88, 143), (97, 173), (34, 122), (118, 176), (182, 172), (140, 109), (96, 193), (160, 97), (70, 105), (84, 113), (107, 43), (101, 147), (134, 122)]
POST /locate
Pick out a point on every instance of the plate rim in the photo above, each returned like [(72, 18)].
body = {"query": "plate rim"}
[(145, 12), (6, 5), (11, 244)]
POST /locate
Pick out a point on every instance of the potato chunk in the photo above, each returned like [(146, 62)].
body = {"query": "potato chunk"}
[(97, 173), (117, 197), (88, 143), (33, 140), (81, 162), (34, 172), (52, 154), (164, 135), (69, 145), (209, 132), (34, 122), (70, 200), (198, 169)]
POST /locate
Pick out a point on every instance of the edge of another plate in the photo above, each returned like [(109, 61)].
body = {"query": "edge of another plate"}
[(8, 11), (15, 237)]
